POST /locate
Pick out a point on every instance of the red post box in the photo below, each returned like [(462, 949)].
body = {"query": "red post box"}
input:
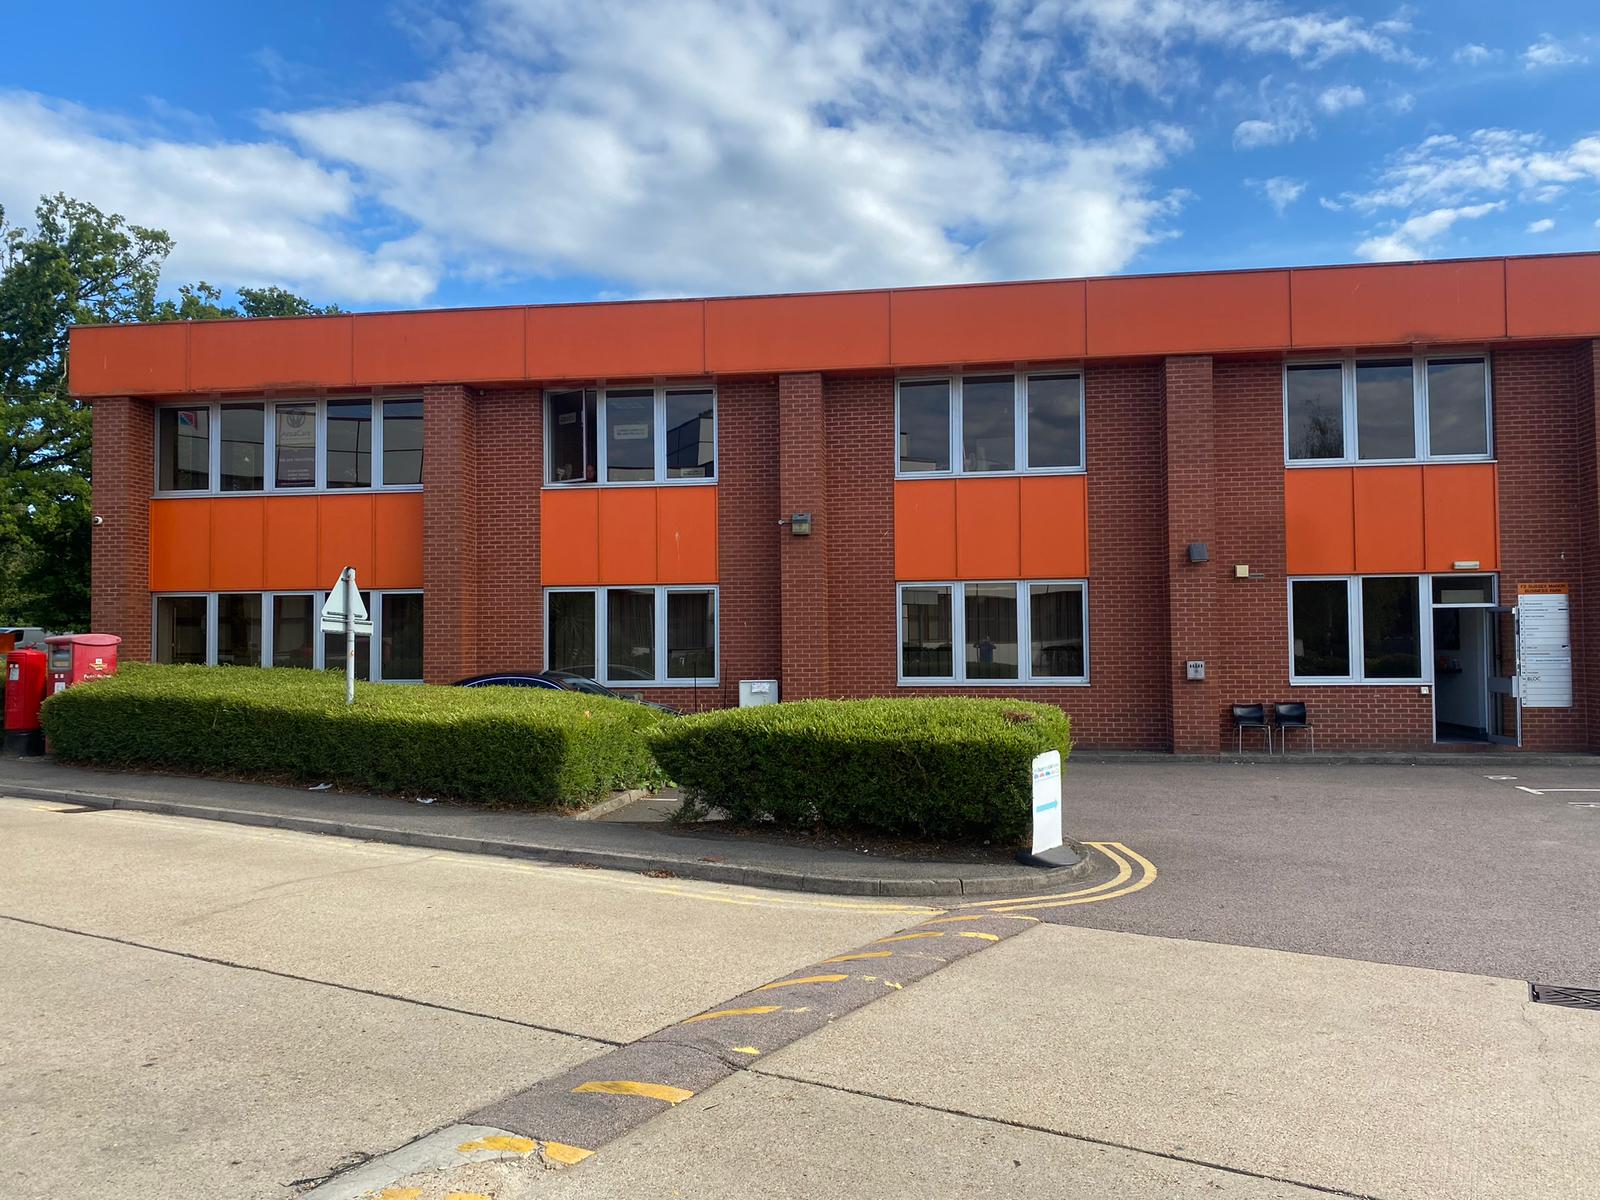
[(25, 682), (78, 657)]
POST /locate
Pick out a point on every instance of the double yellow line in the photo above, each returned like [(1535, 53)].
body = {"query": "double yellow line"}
[(1135, 872)]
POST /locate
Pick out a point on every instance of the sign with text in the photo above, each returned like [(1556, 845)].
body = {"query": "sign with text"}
[(1047, 801), (1544, 647)]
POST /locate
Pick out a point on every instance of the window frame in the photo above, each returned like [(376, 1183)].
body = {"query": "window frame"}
[(602, 622), (658, 434), (1419, 407), (1355, 631), (1019, 423), (269, 447), (958, 635)]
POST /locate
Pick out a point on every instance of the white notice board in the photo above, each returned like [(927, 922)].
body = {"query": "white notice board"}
[(1544, 646)]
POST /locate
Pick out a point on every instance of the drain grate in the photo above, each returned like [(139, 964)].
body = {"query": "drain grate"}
[(1566, 997)]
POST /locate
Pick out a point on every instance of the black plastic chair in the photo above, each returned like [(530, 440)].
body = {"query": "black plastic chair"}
[(1292, 716), (1251, 716)]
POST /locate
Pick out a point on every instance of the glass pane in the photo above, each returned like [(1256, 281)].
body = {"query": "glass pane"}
[(1386, 407), (991, 630), (183, 449), (1316, 412), (333, 647), (1056, 630), (244, 451), (926, 633), (349, 443), (295, 427), (239, 631), (402, 442), (1463, 589), (401, 654), (630, 635), (1055, 421), (988, 423), (569, 641), (572, 437), (630, 436), (691, 450), (294, 624), (1458, 409), (1391, 629), (691, 635), (1321, 628), (181, 629), (924, 433)]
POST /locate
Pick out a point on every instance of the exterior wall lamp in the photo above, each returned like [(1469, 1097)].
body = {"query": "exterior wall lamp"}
[(799, 524)]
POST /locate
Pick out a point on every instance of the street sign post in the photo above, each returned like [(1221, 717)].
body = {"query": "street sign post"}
[(345, 613)]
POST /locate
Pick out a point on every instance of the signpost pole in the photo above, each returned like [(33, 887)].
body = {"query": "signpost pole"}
[(349, 635)]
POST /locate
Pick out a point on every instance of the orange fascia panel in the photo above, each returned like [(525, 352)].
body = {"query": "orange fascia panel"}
[(601, 341), (569, 537), (129, 360), (627, 535), (1553, 297), (439, 347), (344, 538), (1319, 521), (180, 545), (271, 353), (238, 544), (1460, 516), (686, 535), (987, 324), (291, 544), (1398, 304), (1055, 527), (1388, 508), (798, 333), (397, 519), (924, 529), (1183, 314), (988, 528)]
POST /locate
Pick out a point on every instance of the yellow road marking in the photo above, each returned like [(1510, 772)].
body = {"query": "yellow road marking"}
[(632, 1087), (852, 957), (500, 1141), (767, 987), (947, 920), (466, 1196), (563, 1153), (1146, 878), (987, 937), (909, 937), (745, 1050), (399, 1193), (759, 1010), (1124, 873)]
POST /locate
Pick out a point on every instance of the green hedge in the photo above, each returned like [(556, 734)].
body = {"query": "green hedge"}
[(951, 768), (521, 745)]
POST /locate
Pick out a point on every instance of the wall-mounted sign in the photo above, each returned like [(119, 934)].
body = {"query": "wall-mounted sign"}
[(1544, 645), (630, 433)]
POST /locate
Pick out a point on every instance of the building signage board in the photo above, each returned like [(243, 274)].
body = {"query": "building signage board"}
[(1544, 645), (1047, 801)]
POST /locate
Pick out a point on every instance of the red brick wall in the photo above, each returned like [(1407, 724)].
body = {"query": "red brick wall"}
[(123, 480), (1586, 616), (1189, 437), (449, 529), (509, 467), (803, 478)]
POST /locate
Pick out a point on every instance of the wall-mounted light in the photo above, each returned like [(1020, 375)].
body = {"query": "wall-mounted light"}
[(799, 524)]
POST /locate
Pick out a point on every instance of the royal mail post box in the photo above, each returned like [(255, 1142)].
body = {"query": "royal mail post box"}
[(76, 657), (25, 684)]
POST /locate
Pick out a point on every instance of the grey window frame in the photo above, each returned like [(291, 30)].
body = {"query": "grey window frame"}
[(1019, 423), (659, 434), (958, 635), (1419, 401), (602, 618), (1356, 630)]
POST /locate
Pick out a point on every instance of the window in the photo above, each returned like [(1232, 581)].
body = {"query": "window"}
[(295, 440), (183, 449), (244, 439), (399, 628), (1391, 629), (1387, 410), (1463, 589), (239, 630), (992, 622), (333, 644), (181, 629), (691, 434), (1361, 629), (294, 627), (637, 635), (572, 437), (349, 443), (402, 443), (989, 424), (631, 435)]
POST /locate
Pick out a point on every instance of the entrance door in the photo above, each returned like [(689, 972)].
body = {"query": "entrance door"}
[(1505, 693), (1461, 667)]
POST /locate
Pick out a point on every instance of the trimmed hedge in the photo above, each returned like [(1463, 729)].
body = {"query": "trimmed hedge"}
[(948, 768), (527, 746)]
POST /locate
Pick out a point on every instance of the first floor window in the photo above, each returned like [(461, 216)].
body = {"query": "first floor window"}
[(244, 438), (635, 635), (181, 629), (1005, 632), (983, 424), (183, 449), (402, 442), (349, 443), (295, 441), (1356, 629)]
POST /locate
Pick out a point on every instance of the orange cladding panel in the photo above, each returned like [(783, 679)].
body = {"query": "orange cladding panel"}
[(1319, 521), (615, 340), (925, 529), (345, 538), (397, 518), (1461, 517), (180, 545), (686, 535), (433, 347), (1055, 527), (569, 536), (1010, 323), (1388, 508), (988, 528), (129, 360), (627, 535), (238, 544), (1398, 304), (798, 333), (1182, 314), (309, 352), (291, 544), (1553, 297)]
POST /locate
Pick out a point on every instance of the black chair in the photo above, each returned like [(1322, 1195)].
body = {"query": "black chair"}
[(1292, 716), (1251, 716)]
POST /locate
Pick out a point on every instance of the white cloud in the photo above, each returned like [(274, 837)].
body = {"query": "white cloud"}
[(1411, 239), (1547, 52), (1472, 54), (1448, 170), (1281, 191), (1340, 97), (1543, 225)]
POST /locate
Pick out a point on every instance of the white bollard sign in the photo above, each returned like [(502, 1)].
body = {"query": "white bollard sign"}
[(1047, 801)]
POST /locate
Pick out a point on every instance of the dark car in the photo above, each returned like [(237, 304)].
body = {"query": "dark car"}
[(560, 681)]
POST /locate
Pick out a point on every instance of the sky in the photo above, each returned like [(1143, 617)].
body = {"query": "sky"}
[(417, 153)]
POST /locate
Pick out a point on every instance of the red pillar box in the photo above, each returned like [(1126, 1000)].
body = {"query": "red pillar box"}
[(79, 657), (25, 683)]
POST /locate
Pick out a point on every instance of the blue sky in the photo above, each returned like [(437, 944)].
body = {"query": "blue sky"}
[(419, 153)]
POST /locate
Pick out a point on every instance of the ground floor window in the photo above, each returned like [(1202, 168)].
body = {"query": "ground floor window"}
[(625, 636), (283, 629), (1358, 629), (994, 632)]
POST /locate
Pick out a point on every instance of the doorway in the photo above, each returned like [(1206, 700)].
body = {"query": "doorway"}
[(1462, 652)]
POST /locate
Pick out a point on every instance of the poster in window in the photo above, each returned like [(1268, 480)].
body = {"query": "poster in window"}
[(297, 447)]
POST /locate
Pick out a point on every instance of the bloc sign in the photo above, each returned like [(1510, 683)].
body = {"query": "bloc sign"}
[(1047, 801)]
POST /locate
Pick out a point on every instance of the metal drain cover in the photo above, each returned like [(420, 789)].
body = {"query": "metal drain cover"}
[(1566, 997)]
